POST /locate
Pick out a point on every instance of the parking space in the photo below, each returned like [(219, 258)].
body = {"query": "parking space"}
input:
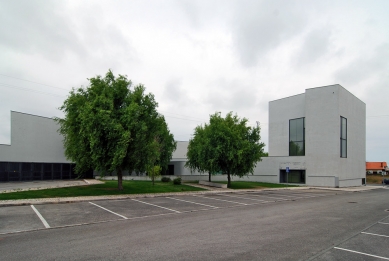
[(131, 208), (57, 215), (21, 218), (208, 201), (370, 244), (24, 218)]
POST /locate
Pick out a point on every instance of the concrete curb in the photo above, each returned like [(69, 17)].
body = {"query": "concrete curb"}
[(39, 201)]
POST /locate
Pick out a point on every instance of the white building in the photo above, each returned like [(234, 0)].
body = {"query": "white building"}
[(317, 138)]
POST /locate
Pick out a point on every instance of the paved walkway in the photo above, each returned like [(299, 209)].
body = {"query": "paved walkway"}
[(6, 187)]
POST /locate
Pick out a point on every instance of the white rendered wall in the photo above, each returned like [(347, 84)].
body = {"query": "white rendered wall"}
[(353, 168), (280, 112), (33, 139), (325, 167), (322, 135)]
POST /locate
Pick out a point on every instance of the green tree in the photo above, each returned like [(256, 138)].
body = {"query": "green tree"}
[(227, 145), (200, 154), (154, 173), (110, 126)]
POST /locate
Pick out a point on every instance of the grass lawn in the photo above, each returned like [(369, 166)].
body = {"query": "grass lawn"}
[(375, 178), (254, 185), (108, 188)]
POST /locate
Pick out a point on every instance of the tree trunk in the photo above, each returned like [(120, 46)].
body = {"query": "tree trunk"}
[(120, 178), (209, 178), (229, 180)]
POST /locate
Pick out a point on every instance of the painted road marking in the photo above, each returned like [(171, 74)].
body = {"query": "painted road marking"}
[(383, 223), (271, 197), (290, 196), (41, 217), (374, 234), (156, 206), (264, 201), (109, 210), (192, 202), (222, 200), (361, 253)]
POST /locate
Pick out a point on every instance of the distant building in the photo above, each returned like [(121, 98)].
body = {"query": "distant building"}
[(316, 138), (377, 167)]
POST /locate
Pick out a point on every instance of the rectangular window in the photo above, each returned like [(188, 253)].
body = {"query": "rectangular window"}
[(297, 137), (343, 137), (293, 176)]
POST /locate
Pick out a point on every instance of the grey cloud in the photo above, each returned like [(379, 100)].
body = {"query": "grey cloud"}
[(53, 30), (316, 44), (231, 96), (260, 26), (365, 66), (174, 92), (42, 28)]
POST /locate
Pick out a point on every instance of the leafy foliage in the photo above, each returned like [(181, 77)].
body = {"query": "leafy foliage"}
[(165, 179), (227, 145), (154, 173), (177, 181), (201, 154), (110, 126)]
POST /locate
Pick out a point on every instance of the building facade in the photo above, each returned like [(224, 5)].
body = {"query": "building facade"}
[(316, 138)]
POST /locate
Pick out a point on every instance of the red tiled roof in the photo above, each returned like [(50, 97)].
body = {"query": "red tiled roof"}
[(376, 165)]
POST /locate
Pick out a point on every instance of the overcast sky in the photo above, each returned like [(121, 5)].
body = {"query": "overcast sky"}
[(197, 57)]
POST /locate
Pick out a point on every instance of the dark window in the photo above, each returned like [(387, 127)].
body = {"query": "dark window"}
[(14, 171), (37, 171), (47, 171), (3, 171), (65, 171), (73, 174), (26, 171), (343, 137), (293, 176), (56, 170), (297, 137), (170, 170)]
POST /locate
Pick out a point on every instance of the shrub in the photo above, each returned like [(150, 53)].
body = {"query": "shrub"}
[(177, 181), (165, 179)]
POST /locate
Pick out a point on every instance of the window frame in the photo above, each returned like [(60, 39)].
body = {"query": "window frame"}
[(297, 141), (343, 140)]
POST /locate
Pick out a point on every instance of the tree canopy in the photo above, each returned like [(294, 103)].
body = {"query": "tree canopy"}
[(112, 126), (227, 145)]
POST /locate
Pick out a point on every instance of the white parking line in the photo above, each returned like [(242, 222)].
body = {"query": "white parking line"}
[(271, 197), (352, 251), (378, 235), (264, 201), (223, 200), (192, 202), (109, 210), (383, 223), (156, 206), (41, 217), (289, 196)]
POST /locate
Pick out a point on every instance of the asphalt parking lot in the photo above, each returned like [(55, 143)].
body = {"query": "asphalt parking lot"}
[(369, 243), (16, 219)]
